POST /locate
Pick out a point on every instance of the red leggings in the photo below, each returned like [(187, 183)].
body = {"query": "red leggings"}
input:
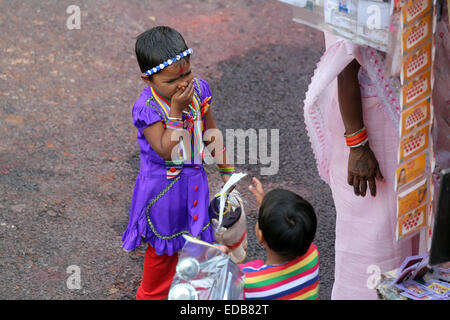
[(157, 275)]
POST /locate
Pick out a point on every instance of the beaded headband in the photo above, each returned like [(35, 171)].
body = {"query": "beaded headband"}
[(169, 62)]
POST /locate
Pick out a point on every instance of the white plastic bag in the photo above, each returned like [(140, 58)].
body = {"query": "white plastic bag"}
[(205, 273), (228, 219)]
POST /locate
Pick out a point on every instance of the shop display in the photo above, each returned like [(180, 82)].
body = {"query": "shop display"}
[(415, 117), (415, 280), (410, 171), (366, 22), (417, 50)]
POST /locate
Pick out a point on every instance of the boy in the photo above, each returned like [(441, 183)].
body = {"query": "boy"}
[(286, 227)]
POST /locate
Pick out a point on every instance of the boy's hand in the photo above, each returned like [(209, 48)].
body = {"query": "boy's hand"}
[(182, 97), (257, 190), (224, 249)]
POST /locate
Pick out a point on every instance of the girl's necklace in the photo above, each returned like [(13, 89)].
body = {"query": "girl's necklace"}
[(190, 117), (193, 113)]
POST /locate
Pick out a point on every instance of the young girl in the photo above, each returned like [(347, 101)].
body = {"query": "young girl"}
[(171, 195)]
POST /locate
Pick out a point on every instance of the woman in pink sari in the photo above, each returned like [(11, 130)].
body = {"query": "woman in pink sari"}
[(349, 92)]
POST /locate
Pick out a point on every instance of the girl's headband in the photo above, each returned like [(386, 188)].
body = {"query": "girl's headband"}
[(169, 62)]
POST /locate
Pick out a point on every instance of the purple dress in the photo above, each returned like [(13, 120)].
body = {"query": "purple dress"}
[(163, 208)]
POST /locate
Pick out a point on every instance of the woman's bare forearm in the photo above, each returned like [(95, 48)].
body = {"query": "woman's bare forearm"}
[(350, 98), (363, 167)]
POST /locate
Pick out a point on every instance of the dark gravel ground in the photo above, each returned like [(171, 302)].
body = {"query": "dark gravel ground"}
[(68, 151)]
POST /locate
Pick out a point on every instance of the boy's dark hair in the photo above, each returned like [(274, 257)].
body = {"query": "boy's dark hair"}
[(157, 45), (288, 223)]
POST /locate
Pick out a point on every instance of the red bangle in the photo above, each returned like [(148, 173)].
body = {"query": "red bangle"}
[(356, 138)]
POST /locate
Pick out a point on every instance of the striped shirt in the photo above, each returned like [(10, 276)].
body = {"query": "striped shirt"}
[(297, 279)]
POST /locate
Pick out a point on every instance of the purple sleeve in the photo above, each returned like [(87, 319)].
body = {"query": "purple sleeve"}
[(144, 115), (204, 89)]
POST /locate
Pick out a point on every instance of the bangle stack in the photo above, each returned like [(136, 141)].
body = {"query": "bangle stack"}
[(227, 171), (174, 119), (174, 124), (357, 139)]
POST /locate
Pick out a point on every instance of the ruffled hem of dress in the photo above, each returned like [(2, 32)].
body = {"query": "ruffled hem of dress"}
[(130, 240), (133, 235)]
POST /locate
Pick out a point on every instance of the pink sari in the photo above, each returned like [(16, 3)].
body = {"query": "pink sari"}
[(365, 226)]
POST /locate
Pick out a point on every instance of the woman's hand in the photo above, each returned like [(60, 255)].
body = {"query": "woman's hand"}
[(182, 97), (363, 169), (257, 190), (224, 249)]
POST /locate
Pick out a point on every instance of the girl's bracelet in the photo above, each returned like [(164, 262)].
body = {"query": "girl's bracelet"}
[(227, 171), (174, 125), (174, 119)]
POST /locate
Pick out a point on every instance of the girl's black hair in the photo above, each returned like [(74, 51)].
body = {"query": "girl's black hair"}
[(288, 223), (157, 45)]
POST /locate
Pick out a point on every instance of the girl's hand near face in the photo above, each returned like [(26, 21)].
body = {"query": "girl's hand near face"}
[(182, 97)]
